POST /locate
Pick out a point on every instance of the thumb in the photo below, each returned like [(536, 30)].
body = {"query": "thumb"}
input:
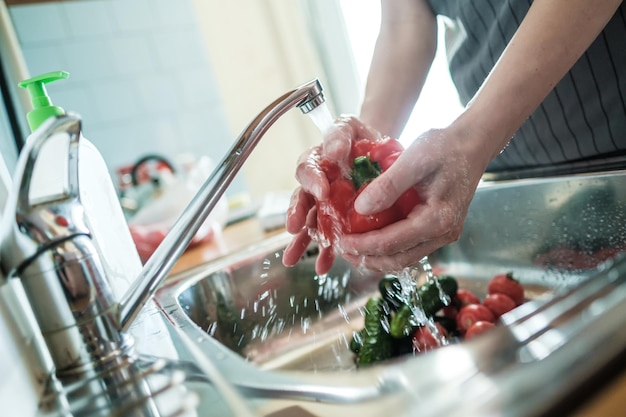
[(385, 189)]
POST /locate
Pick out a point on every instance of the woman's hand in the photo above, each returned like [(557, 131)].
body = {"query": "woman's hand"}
[(302, 214), (445, 167)]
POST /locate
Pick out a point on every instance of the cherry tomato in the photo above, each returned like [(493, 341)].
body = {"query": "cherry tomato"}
[(467, 297), (506, 284), (478, 328), (424, 340), (472, 313), (450, 312), (499, 303)]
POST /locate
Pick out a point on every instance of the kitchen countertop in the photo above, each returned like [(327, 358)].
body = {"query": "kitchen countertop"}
[(609, 402), (233, 238)]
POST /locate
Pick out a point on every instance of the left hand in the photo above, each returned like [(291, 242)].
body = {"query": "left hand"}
[(302, 212)]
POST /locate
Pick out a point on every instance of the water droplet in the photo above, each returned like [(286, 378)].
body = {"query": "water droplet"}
[(305, 323)]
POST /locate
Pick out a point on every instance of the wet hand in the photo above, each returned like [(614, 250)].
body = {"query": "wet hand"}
[(445, 171), (302, 215)]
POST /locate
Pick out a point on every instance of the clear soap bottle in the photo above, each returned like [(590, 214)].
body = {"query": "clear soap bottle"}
[(103, 212)]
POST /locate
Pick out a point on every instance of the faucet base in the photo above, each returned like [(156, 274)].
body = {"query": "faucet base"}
[(128, 386), (104, 355)]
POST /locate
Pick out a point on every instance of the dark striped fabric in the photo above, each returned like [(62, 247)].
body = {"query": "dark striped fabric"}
[(582, 119)]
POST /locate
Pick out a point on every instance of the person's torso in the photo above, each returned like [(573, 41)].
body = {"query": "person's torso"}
[(583, 118)]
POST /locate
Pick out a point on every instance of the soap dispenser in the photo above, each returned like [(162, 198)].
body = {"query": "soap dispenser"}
[(104, 216), (64, 236)]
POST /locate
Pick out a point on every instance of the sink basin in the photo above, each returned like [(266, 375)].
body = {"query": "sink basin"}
[(291, 318), (285, 331), (282, 318)]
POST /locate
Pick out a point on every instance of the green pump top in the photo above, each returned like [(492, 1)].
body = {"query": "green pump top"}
[(42, 106)]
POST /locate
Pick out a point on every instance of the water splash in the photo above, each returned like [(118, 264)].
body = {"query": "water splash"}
[(408, 278), (430, 276), (409, 281)]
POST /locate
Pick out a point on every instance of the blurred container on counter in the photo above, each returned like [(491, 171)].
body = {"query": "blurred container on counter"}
[(154, 192)]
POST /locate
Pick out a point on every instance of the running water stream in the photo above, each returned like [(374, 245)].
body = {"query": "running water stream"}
[(322, 117)]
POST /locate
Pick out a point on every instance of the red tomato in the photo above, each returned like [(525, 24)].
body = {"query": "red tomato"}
[(499, 303), (472, 313), (506, 284), (467, 297), (478, 328), (424, 340), (450, 312)]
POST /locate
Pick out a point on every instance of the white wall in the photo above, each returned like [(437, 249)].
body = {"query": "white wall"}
[(140, 75), (260, 50), (187, 76)]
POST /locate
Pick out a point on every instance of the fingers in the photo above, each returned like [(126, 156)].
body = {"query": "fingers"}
[(303, 225), (299, 207), (315, 187), (296, 248), (397, 261), (424, 224), (324, 260), (338, 139), (405, 242), (338, 142), (384, 190), (310, 175), (379, 194)]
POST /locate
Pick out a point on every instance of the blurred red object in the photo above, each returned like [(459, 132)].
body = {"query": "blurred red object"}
[(147, 238)]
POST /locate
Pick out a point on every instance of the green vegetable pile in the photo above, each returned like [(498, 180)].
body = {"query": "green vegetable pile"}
[(389, 325)]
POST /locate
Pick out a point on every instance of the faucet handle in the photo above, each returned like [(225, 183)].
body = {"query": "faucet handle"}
[(44, 205)]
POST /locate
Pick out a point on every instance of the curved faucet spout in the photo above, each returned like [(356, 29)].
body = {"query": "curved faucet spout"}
[(306, 97)]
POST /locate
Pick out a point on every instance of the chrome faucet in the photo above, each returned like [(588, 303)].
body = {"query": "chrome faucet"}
[(47, 245)]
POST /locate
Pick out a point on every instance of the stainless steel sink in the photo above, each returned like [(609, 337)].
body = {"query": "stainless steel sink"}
[(283, 332), (291, 318)]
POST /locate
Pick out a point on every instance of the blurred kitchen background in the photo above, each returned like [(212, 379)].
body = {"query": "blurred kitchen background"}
[(180, 78), (184, 77)]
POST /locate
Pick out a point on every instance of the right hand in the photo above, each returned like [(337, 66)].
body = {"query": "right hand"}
[(444, 166)]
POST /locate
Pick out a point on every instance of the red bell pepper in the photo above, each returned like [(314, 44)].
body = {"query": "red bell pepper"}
[(337, 215)]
